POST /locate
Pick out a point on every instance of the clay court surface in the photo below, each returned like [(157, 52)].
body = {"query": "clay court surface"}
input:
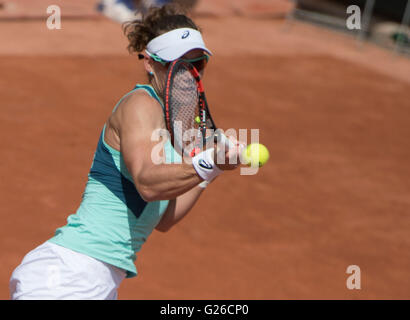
[(336, 191)]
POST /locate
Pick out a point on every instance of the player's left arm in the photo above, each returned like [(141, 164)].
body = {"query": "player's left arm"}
[(178, 209)]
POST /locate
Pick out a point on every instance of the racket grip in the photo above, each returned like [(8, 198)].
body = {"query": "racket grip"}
[(225, 140)]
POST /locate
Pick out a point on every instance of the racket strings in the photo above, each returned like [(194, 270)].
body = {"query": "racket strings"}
[(184, 109)]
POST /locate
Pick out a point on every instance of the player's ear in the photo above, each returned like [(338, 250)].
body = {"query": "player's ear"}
[(148, 64)]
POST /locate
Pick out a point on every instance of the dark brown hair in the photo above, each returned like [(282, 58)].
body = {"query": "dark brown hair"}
[(154, 23)]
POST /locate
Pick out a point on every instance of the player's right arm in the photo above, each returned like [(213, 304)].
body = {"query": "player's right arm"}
[(139, 115)]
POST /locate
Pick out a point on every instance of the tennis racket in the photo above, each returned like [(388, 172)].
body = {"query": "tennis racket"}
[(187, 113)]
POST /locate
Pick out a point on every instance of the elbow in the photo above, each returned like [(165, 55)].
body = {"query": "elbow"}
[(144, 188), (147, 195)]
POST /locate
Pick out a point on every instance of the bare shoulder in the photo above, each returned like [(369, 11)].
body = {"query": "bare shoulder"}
[(139, 104)]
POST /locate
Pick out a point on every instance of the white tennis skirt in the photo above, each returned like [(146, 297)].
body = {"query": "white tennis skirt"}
[(52, 272)]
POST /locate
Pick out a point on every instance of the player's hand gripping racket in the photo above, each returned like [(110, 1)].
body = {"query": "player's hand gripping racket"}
[(187, 114)]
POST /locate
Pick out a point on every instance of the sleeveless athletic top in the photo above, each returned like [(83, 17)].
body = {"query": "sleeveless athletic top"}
[(113, 221)]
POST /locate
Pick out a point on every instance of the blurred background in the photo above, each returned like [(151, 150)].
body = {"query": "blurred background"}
[(331, 104)]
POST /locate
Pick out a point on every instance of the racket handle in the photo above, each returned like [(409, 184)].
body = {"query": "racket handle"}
[(225, 140)]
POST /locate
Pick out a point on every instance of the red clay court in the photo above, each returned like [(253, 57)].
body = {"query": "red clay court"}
[(334, 116)]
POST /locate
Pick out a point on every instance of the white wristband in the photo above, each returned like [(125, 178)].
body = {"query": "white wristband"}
[(203, 184), (204, 165)]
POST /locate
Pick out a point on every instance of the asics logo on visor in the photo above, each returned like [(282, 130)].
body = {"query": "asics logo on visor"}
[(185, 34), (205, 164)]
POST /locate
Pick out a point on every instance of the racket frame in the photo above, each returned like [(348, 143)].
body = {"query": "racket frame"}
[(203, 109)]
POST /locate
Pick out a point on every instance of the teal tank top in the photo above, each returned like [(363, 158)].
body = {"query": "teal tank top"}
[(113, 221)]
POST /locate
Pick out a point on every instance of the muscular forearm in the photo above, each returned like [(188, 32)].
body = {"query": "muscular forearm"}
[(167, 181), (178, 208)]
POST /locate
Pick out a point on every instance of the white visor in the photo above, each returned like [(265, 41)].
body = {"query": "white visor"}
[(174, 44)]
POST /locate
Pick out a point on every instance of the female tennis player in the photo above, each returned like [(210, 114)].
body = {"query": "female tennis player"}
[(127, 196)]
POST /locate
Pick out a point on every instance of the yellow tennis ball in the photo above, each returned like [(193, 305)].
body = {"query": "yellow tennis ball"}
[(255, 154), (198, 119)]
